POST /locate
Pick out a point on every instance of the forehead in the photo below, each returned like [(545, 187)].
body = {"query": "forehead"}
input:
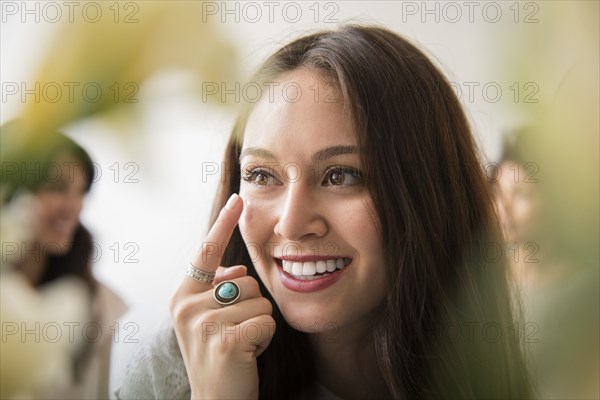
[(69, 168), (303, 113)]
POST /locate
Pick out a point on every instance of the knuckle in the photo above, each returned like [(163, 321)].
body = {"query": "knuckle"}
[(201, 326), (268, 322), (251, 284), (265, 305), (271, 320), (173, 304), (207, 317), (182, 309), (177, 307), (180, 312)]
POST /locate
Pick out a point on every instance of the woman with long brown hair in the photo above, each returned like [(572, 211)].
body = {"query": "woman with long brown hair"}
[(48, 175), (355, 253)]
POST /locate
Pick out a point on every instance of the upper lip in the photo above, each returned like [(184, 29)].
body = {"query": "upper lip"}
[(313, 258)]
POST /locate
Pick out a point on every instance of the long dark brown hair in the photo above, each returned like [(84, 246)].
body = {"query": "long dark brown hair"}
[(421, 168)]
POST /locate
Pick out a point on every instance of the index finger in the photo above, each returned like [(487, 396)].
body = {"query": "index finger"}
[(213, 248)]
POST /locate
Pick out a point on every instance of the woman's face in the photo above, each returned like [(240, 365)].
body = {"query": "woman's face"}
[(59, 204), (521, 201), (307, 209)]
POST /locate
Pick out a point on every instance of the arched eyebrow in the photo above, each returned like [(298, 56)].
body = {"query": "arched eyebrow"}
[(320, 155), (257, 152), (333, 151)]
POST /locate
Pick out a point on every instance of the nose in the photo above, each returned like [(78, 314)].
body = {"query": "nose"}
[(73, 203), (300, 216)]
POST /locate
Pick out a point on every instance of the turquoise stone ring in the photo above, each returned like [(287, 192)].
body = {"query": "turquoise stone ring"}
[(226, 293)]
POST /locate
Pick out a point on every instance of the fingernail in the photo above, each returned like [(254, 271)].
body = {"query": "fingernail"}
[(232, 202)]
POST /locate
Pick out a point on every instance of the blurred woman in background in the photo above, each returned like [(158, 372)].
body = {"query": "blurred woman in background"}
[(549, 208), (46, 177)]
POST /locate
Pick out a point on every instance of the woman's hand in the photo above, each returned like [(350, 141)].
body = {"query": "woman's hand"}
[(220, 344)]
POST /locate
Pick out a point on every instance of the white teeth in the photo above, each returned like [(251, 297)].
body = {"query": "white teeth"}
[(309, 269), (297, 268), (321, 266), (331, 265)]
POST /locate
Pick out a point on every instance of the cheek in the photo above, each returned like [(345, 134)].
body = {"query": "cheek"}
[(522, 210), (361, 223), (254, 222), (48, 206), (247, 214), (257, 230)]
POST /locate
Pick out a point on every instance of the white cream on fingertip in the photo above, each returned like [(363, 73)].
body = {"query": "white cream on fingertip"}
[(233, 201)]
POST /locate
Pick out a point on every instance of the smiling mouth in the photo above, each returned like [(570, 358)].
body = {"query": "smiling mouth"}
[(64, 226), (311, 270)]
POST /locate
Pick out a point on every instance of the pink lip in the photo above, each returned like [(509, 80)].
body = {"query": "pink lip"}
[(306, 286)]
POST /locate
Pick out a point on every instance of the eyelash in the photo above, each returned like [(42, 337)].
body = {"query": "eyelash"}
[(250, 175), (344, 170)]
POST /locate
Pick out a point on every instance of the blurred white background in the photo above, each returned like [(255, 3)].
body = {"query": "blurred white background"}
[(148, 210)]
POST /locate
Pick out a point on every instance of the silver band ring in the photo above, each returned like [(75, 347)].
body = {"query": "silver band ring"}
[(199, 275), (226, 293)]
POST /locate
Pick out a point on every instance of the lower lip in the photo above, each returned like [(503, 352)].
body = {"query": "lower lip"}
[(64, 229), (305, 286)]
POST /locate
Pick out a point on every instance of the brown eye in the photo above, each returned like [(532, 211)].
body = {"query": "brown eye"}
[(336, 178), (260, 179), (342, 176), (58, 186)]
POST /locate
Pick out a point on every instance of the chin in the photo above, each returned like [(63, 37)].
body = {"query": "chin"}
[(58, 247), (303, 320)]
